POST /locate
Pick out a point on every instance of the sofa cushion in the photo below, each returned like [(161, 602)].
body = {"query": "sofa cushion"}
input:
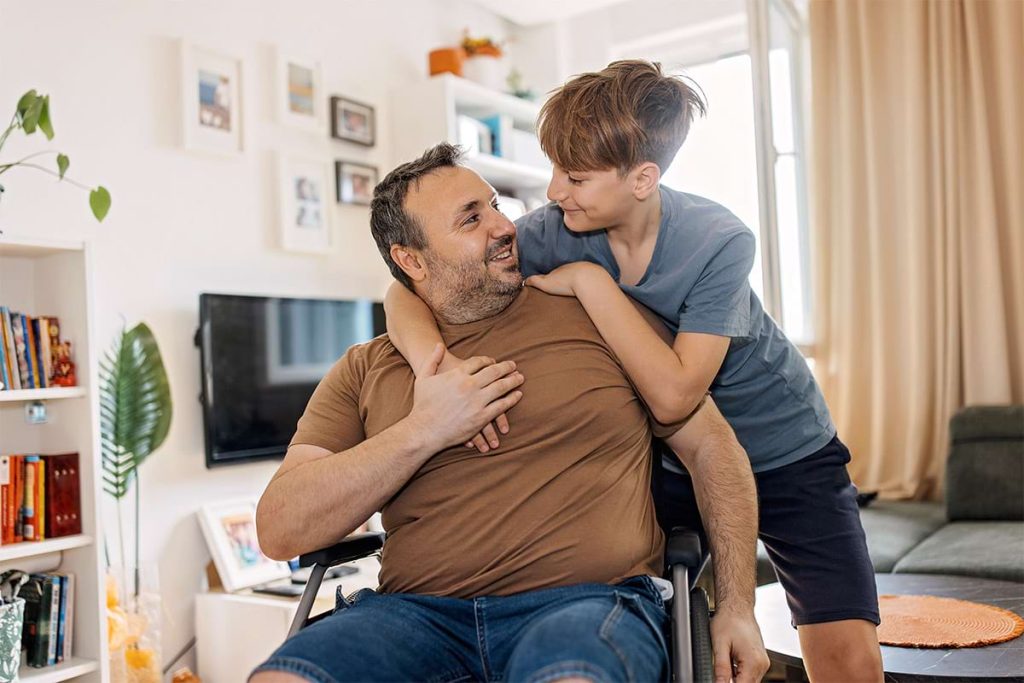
[(985, 469), (992, 550), (895, 527)]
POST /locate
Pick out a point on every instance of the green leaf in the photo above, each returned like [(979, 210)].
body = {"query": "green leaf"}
[(62, 164), (44, 119), (136, 400), (32, 114), (25, 103), (99, 202)]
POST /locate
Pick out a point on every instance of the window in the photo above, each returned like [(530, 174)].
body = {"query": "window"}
[(748, 153)]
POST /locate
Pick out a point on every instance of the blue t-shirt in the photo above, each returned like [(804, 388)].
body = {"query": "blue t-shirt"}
[(697, 282)]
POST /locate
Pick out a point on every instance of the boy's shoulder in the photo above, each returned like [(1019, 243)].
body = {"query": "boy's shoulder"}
[(699, 216)]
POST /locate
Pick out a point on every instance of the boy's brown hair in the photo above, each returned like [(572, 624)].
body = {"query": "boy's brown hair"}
[(624, 115)]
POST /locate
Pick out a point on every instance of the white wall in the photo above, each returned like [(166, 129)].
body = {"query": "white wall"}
[(183, 223)]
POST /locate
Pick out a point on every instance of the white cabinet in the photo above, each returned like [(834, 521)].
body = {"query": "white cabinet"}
[(236, 632), (429, 112), (43, 277)]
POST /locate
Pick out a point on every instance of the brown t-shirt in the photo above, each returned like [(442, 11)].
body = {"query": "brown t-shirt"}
[(566, 497)]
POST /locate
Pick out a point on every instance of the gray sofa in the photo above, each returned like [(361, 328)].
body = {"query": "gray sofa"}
[(979, 529)]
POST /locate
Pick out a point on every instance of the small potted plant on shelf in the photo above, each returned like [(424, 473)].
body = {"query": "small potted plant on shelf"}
[(33, 114), (484, 61)]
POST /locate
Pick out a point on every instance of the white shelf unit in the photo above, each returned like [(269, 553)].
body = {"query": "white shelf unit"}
[(425, 114), (54, 278)]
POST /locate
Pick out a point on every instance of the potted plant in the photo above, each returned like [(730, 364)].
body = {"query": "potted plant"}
[(135, 416), (33, 114), (484, 61)]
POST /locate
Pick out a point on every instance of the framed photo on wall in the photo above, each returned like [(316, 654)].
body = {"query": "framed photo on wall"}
[(355, 182), (212, 99), (304, 188), (353, 121), (299, 96), (230, 531)]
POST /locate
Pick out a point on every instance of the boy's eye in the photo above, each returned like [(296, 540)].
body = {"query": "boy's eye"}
[(575, 181)]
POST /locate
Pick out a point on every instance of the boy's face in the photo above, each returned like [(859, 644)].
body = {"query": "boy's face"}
[(592, 200)]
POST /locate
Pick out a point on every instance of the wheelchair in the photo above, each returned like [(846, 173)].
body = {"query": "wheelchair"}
[(691, 657)]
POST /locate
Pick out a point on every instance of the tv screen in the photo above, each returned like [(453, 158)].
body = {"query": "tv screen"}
[(261, 359)]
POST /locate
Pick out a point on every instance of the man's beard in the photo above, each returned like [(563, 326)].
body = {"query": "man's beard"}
[(464, 292)]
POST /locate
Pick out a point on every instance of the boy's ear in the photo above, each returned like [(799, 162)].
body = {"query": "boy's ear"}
[(646, 177), (410, 261)]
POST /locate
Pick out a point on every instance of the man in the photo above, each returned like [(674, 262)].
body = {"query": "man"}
[(535, 561)]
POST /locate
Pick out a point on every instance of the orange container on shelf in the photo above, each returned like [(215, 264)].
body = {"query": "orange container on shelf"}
[(447, 60)]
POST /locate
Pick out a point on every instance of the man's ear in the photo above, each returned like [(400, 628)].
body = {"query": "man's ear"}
[(410, 261), (646, 178)]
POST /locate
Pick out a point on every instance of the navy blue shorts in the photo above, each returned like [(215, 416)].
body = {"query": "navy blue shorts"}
[(810, 526)]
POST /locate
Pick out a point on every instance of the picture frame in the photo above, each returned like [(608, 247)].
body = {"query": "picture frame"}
[(354, 182), (299, 91), (211, 89), (230, 531), (353, 121), (303, 190)]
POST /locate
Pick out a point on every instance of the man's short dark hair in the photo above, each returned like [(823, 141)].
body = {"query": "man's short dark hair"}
[(389, 221)]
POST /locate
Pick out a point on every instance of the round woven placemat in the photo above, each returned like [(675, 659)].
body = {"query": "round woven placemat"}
[(930, 621)]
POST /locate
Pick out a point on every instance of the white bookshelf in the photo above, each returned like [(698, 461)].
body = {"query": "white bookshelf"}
[(54, 277), (425, 113)]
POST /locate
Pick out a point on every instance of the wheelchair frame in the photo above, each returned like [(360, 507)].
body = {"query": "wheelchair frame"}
[(692, 658)]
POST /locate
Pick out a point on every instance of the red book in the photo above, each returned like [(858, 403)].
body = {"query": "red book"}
[(63, 509)]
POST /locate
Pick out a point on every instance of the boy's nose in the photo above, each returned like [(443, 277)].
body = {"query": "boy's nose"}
[(556, 190)]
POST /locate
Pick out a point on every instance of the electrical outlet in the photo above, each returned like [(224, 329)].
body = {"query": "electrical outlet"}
[(35, 413)]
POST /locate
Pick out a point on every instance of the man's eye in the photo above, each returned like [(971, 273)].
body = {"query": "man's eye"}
[(472, 219)]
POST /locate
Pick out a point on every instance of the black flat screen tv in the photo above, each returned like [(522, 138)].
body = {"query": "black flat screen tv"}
[(261, 358)]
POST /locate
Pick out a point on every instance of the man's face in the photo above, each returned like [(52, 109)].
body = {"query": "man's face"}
[(591, 200), (472, 259)]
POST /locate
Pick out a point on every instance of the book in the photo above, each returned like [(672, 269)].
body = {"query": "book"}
[(19, 350), (30, 350), (38, 333), (62, 617), (45, 352), (69, 615), (40, 500), (63, 507), (34, 593), (17, 513), (28, 503), (54, 621), (11, 354)]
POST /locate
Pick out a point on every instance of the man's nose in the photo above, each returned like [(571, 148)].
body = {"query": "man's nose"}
[(503, 226)]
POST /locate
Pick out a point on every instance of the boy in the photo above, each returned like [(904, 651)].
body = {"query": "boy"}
[(612, 230)]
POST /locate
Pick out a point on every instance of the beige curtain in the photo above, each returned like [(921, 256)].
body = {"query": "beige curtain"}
[(917, 186)]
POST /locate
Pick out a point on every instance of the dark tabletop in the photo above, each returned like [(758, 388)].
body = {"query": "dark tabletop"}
[(1001, 662)]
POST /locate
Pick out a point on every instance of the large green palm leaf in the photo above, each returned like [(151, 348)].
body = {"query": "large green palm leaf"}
[(135, 406)]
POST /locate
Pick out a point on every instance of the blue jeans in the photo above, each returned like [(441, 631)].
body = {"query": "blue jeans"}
[(594, 631)]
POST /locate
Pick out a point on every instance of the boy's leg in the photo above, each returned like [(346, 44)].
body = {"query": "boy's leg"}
[(810, 526), (605, 633), (380, 637)]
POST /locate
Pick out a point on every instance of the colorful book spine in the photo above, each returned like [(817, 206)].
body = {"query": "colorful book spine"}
[(62, 618), (29, 500), (53, 633), (19, 350), (16, 500), (69, 615), (41, 500), (11, 354)]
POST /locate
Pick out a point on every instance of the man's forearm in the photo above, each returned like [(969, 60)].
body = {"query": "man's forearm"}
[(727, 499), (320, 501)]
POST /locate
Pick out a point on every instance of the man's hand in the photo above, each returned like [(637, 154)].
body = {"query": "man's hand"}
[(486, 439), (453, 406), (568, 279), (736, 640)]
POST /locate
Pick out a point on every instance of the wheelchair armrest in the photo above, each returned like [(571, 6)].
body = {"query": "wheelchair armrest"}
[(683, 547), (352, 548)]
